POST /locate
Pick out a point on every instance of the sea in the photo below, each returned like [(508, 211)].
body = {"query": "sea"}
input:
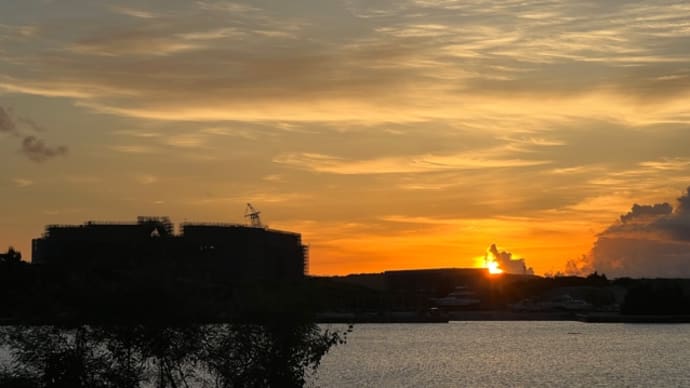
[(510, 354)]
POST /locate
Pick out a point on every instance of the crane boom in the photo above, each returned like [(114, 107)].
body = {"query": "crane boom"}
[(253, 216)]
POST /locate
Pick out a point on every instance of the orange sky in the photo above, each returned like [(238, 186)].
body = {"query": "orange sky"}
[(391, 134)]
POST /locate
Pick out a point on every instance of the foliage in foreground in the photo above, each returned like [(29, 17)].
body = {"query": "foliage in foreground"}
[(227, 355)]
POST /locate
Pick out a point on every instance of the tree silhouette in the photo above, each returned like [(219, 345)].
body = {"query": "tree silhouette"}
[(11, 257), (278, 353)]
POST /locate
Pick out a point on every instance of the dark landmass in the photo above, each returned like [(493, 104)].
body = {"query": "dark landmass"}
[(173, 291), (473, 294)]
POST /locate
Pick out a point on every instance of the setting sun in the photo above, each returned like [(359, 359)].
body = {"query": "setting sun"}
[(493, 268), (489, 262)]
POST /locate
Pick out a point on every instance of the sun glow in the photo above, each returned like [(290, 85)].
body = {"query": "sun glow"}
[(493, 268), (491, 263), (488, 262)]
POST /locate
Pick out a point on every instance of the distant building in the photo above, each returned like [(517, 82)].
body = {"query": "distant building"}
[(240, 251)]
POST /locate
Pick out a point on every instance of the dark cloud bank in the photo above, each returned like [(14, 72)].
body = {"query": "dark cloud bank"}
[(649, 241), (32, 146)]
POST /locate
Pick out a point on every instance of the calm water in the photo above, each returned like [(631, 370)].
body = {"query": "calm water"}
[(500, 354)]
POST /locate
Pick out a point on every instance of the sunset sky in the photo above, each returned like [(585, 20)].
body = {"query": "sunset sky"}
[(391, 134)]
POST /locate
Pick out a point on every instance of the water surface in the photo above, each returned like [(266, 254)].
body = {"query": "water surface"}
[(493, 354)]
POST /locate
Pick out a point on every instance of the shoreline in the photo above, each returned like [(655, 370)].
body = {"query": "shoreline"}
[(499, 316), (455, 316)]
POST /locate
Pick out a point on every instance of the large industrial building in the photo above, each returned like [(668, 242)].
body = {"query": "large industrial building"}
[(240, 251)]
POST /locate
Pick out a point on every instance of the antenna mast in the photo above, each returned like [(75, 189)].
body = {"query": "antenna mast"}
[(253, 216)]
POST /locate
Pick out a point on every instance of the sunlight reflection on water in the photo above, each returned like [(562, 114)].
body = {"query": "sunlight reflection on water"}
[(490, 354)]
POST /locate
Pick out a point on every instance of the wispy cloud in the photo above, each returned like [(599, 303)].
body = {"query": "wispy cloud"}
[(38, 151), (17, 32), (424, 220), (254, 196), (674, 164), (189, 140), (134, 149), (414, 61), (398, 165), (133, 43), (146, 179), (83, 179), (133, 12), (225, 6), (32, 146), (22, 182)]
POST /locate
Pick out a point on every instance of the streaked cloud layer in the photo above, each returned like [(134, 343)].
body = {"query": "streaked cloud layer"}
[(532, 124)]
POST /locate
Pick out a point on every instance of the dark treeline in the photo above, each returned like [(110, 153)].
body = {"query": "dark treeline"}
[(179, 292), (417, 290), (276, 354), (656, 296), (155, 323)]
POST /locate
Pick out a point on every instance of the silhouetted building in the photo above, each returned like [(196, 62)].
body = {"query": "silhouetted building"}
[(236, 250)]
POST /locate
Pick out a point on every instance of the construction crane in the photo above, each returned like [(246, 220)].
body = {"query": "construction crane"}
[(253, 216)]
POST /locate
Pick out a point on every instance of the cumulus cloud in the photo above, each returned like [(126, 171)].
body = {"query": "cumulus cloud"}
[(32, 146), (579, 266), (645, 212), (507, 262), (648, 241)]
